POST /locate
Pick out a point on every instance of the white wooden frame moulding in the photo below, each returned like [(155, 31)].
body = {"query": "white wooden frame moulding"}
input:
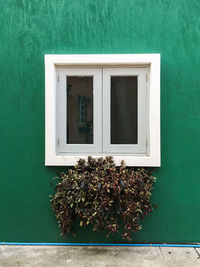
[(152, 158)]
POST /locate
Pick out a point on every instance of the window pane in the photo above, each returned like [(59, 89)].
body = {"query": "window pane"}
[(79, 110), (124, 110)]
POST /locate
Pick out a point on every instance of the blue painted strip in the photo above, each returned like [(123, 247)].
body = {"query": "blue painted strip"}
[(101, 244)]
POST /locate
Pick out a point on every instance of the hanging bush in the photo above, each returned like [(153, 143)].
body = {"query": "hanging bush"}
[(107, 196)]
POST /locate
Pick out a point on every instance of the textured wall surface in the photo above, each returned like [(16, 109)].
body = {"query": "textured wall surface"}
[(31, 28)]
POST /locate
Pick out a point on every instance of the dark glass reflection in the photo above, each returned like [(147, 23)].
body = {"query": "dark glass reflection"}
[(124, 110), (79, 110)]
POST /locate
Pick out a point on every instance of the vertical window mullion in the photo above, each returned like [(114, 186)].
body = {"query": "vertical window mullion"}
[(98, 94), (106, 111), (62, 107), (142, 110)]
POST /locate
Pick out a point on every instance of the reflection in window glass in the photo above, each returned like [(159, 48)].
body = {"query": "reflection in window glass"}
[(79, 110), (82, 109), (124, 110)]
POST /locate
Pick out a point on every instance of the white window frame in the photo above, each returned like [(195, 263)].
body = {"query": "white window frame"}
[(150, 61), (140, 147), (61, 117)]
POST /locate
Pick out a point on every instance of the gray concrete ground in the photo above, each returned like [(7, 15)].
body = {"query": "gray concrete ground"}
[(36, 256)]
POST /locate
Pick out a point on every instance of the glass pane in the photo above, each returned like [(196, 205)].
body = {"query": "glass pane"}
[(124, 110), (79, 110)]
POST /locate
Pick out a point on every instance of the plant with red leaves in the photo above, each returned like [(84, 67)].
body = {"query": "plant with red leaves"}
[(107, 196)]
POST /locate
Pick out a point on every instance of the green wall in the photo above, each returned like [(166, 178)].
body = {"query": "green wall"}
[(31, 28)]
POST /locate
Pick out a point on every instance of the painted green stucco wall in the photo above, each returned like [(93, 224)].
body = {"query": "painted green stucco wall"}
[(31, 28)]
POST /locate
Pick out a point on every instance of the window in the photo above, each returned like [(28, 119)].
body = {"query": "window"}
[(102, 105)]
